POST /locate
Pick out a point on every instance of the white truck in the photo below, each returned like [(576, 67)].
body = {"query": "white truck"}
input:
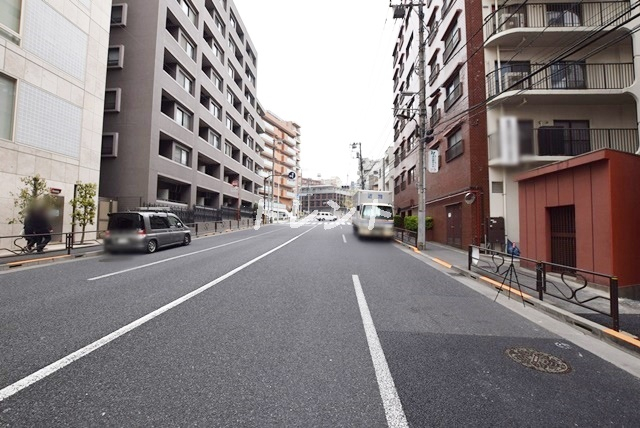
[(374, 214)]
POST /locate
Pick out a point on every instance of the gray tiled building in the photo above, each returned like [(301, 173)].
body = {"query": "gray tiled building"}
[(182, 121)]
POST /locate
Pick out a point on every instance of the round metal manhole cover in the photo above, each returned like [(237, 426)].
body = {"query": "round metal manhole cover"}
[(539, 361)]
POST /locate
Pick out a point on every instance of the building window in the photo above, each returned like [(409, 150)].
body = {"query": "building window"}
[(451, 40), (497, 187), (112, 100), (184, 81), (115, 57), (181, 155), (214, 139), (230, 97), (217, 51), (118, 15), (217, 81), (233, 46), (109, 147), (189, 11), (187, 45), (219, 24), (10, 15), (232, 72), (411, 176), (453, 92), (183, 118), (228, 149), (251, 77), (7, 103), (455, 146), (229, 124), (215, 109), (232, 21)]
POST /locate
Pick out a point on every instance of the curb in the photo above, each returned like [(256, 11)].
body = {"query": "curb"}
[(623, 340)]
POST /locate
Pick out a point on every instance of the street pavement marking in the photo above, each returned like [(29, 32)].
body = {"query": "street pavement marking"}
[(177, 257), (65, 361), (390, 399), (344, 239)]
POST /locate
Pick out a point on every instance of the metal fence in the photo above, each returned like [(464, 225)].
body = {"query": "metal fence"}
[(407, 236), (545, 279)]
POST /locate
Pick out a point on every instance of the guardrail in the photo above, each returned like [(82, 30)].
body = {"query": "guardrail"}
[(545, 279), (407, 236)]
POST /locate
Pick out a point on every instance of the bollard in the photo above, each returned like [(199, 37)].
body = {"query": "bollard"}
[(540, 280), (613, 296)]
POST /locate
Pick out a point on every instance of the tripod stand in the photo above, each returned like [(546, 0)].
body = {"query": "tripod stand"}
[(510, 273)]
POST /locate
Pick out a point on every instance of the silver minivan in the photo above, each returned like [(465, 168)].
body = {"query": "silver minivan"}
[(144, 230)]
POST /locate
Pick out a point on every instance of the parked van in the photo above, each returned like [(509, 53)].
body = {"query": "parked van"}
[(145, 230)]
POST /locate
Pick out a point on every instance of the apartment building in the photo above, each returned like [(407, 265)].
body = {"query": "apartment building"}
[(317, 198), (281, 155), (181, 124), (53, 58), (555, 109), (379, 173), (456, 195)]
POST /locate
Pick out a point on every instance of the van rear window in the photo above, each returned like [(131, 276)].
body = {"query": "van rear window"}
[(125, 221)]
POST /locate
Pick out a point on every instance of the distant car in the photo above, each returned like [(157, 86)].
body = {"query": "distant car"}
[(144, 230), (325, 216)]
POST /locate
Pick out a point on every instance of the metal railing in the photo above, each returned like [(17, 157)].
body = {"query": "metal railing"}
[(435, 118), (435, 71), (549, 15), (453, 97), (558, 141), (454, 151), (453, 42), (550, 280), (560, 76), (406, 236)]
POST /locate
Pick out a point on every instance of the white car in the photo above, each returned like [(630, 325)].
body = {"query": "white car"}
[(325, 216)]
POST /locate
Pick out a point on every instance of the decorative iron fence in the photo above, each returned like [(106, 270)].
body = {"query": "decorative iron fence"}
[(565, 283), (406, 236)]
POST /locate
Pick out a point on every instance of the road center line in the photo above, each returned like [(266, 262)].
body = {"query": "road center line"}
[(65, 361), (390, 399), (344, 239), (177, 257)]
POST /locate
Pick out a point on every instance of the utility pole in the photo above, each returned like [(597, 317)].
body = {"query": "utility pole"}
[(359, 155), (422, 195)]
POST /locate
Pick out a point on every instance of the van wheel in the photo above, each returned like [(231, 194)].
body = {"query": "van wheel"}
[(152, 246), (187, 240)]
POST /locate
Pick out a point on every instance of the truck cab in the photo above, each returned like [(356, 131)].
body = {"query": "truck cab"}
[(374, 214)]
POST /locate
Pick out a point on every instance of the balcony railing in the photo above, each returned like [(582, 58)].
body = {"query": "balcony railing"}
[(544, 15), (558, 141), (396, 190), (435, 71), (435, 118), (560, 76), (454, 151), (453, 42), (403, 185), (453, 97)]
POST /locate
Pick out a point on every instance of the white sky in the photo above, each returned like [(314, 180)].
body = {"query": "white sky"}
[(327, 66)]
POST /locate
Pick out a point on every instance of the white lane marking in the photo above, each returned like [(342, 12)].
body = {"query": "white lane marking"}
[(390, 399), (344, 239), (65, 361), (177, 257)]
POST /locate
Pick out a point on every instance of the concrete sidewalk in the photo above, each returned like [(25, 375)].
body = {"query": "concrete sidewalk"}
[(629, 309)]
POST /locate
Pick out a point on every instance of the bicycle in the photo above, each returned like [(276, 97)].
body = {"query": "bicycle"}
[(22, 249)]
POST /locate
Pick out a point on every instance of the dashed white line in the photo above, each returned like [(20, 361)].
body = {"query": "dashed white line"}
[(65, 361), (344, 239), (390, 399), (177, 257)]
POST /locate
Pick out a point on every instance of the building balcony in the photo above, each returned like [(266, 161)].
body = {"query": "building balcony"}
[(289, 151), (289, 162), (562, 78), (290, 141), (268, 164), (555, 143), (269, 128), (268, 139), (268, 152), (544, 23), (435, 118), (288, 194)]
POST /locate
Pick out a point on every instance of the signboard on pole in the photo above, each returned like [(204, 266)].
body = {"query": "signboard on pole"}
[(433, 163)]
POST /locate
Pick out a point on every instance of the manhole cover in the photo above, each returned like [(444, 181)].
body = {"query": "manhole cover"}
[(537, 360)]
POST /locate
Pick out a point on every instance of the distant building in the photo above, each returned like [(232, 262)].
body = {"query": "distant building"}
[(281, 156), (53, 59), (316, 198)]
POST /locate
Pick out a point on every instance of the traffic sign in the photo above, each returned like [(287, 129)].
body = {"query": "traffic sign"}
[(292, 175)]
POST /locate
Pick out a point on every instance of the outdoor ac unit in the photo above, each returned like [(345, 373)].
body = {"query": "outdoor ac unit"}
[(515, 21), (512, 80)]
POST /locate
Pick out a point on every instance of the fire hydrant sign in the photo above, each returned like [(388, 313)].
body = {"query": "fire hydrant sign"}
[(432, 161)]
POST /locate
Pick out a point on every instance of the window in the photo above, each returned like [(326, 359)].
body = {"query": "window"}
[(118, 15), (181, 155), (112, 100), (184, 81), (215, 109), (187, 45), (232, 72), (219, 24), (453, 92), (230, 97), (232, 21), (183, 117), (451, 40), (217, 81), (189, 11), (455, 146), (156, 222), (214, 139), (109, 147), (217, 51), (7, 102), (232, 46), (174, 221), (411, 176), (497, 187), (10, 15), (229, 123), (115, 56), (251, 77), (228, 149)]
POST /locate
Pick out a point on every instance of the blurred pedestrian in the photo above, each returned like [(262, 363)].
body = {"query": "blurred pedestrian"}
[(29, 230), (42, 228)]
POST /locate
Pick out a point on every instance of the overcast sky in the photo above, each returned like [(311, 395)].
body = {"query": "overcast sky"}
[(327, 66)]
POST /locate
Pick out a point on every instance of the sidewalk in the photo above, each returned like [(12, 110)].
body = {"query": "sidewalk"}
[(629, 309)]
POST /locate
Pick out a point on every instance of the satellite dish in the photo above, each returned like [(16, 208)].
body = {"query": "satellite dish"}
[(470, 198)]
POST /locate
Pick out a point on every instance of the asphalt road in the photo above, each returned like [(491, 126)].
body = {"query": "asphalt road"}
[(287, 327)]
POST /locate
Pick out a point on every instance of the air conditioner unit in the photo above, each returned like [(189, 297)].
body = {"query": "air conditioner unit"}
[(509, 21), (513, 80)]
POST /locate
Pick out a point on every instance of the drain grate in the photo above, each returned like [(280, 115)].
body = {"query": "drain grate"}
[(538, 360)]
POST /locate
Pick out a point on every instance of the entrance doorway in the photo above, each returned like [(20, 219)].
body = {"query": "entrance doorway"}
[(454, 225), (563, 235)]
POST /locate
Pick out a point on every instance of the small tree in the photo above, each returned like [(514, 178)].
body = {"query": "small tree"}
[(83, 206), (35, 192)]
